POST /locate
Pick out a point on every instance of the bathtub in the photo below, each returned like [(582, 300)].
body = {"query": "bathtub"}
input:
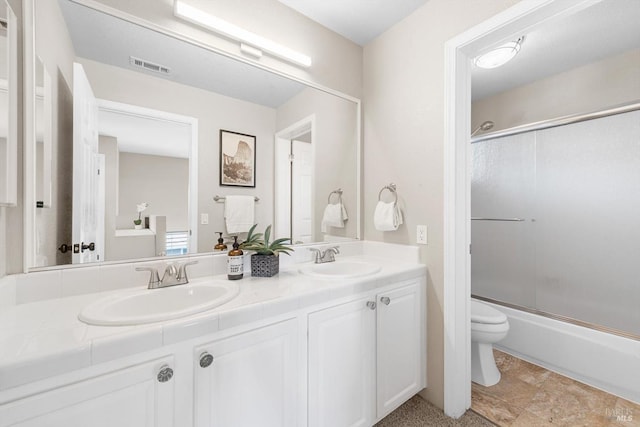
[(602, 360)]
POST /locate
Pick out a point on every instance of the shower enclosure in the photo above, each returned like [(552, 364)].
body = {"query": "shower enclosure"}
[(556, 220)]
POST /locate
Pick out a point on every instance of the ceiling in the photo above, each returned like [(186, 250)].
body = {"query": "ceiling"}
[(358, 20), (603, 30), (146, 134), (104, 38), (113, 41)]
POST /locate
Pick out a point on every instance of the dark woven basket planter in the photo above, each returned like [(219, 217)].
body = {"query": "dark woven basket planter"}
[(264, 265)]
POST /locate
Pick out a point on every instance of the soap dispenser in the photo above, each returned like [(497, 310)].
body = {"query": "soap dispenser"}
[(220, 246), (235, 261)]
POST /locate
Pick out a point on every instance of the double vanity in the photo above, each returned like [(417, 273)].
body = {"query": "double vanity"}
[(335, 344)]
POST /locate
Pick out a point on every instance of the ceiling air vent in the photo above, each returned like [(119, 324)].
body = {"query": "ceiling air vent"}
[(150, 66)]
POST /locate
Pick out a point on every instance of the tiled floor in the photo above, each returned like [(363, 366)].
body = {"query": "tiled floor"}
[(528, 395)]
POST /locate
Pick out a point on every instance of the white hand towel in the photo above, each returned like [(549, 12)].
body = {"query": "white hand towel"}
[(334, 216), (239, 213), (387, 216)]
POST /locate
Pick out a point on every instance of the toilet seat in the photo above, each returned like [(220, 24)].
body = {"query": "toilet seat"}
[(485, 314)]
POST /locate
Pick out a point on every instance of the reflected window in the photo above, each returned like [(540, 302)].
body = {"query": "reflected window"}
[(177, 242)]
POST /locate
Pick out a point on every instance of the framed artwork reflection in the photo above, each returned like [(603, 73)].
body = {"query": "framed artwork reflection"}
[(237, 159)]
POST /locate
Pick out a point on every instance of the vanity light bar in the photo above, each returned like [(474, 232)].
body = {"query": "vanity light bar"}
[(198, 17)]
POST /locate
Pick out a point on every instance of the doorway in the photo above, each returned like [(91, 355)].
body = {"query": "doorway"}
[(154, 159), (459, 53), (293, 173)]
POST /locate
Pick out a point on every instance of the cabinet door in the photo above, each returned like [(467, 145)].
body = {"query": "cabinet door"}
[(132, 397), (341, 365), (399, 349), (252, 380)]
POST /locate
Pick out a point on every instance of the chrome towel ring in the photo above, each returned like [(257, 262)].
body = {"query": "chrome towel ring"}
[(392, 188), (338, 192)]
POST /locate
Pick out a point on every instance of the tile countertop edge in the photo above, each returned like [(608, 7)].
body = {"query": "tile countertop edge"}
[(19, 371)]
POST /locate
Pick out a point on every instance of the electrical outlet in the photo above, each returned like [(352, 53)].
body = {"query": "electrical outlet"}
[(204, 218), (421, 234)]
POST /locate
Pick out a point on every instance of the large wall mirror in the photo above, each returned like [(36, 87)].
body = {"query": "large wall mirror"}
[(136, 121)]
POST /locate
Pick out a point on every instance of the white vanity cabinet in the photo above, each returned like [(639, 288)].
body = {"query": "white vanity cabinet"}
[(250, 379), (141, 395), (342, 365), (400, 346), (366, 357)]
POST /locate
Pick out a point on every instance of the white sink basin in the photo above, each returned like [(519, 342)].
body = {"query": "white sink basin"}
[(341, 269), (140, 306)]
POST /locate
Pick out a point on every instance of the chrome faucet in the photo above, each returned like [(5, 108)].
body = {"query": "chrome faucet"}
[(327, 255), (174, 274)]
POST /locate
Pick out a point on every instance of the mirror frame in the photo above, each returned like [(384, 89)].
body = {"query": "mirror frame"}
[(29, 254), (11, 161)]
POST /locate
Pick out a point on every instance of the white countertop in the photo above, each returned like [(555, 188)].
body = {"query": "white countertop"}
[(45, 338)]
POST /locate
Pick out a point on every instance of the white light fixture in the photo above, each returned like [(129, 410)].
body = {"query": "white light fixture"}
[(197, 16), (500, 55)]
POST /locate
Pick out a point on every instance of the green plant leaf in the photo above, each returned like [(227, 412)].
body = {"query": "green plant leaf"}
[(267, 234), (256, 242)]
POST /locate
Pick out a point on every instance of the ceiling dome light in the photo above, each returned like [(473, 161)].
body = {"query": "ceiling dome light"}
[(500, 55)]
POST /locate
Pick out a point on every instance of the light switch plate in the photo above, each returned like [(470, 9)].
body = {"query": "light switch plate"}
[(204, 218), (421, 234)]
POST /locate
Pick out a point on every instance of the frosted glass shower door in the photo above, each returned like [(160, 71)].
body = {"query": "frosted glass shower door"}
[(577, 254), (588, 221), (503, 187)]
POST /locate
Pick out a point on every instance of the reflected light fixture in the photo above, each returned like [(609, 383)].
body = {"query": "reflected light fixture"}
[(499, 55), (252, 42)]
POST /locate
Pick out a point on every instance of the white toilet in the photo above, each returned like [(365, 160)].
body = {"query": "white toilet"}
[(488, 326)]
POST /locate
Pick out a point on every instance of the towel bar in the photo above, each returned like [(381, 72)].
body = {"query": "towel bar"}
[(497, 219), (222, 198)]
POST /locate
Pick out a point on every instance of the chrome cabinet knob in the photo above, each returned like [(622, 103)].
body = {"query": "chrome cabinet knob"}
[(371, 305), (385, 300), (205, 360), (165, 374)]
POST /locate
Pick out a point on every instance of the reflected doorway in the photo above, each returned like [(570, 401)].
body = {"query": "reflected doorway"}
[(152, 159), (294, 165)]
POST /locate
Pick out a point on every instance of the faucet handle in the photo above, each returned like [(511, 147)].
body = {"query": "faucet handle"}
[(182, 271), (317, 254), (154, 278), (170, 270), (329, 254)]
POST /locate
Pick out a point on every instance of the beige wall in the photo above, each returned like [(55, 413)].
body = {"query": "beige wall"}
[(335, 153), (337, 62), (592, 87), (403, 133), (163, 182), (108, 146)]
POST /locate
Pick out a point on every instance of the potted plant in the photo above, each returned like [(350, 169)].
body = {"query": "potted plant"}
[(138, 222), (265, 261)]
